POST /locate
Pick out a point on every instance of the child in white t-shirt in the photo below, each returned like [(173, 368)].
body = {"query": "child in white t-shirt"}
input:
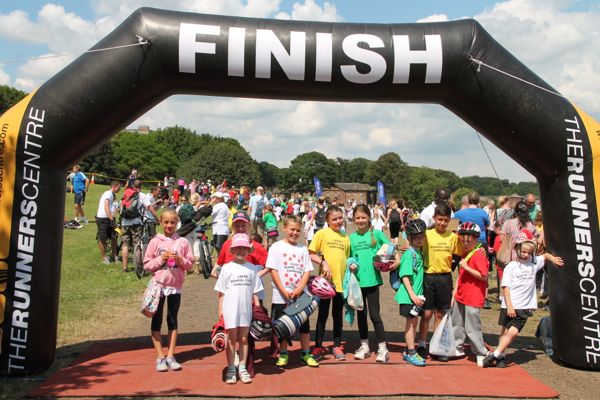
[(290, 266), (238, 285), (518, 287)]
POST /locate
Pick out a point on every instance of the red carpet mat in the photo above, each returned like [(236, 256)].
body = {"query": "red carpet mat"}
[(127, 369)]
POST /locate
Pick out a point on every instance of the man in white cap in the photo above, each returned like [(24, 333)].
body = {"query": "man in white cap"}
[(220, 217), (256, 209)]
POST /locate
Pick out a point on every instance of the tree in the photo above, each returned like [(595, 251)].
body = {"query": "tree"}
[(222, 159), (459, 194), (391, 171), (353, 170), (152, 159), (299, 176), (269, 174), (9, 96), (184, 142), (102, 162)]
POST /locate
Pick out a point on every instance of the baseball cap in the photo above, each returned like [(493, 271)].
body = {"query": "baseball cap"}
[(240, 240), (240, 216), (218, 195)]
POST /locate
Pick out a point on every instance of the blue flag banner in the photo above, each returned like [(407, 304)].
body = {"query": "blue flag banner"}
[(381, 193), (318, 189)]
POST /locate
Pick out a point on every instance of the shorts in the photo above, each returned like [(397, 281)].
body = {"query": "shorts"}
[(394, 229), (437, 291), (277, 312), (405, 311), (131, 235), (106, 230), (518, 321), (80, 198)]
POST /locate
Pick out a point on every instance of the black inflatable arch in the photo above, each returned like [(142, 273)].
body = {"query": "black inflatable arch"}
[(100, 93)]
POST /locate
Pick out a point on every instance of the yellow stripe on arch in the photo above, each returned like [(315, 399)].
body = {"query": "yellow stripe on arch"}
[(10, 125), (592, 128)]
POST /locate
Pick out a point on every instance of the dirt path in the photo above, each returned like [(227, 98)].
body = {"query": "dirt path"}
[(199, 312)]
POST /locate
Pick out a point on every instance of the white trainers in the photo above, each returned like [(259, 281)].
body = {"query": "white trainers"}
[(362, 353), (244, 376), (105, 260), (383, 356), (459, 353), (161, 365), (231, 376), (173, 364)]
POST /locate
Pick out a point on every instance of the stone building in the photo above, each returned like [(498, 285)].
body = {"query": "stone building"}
[(346, 192)]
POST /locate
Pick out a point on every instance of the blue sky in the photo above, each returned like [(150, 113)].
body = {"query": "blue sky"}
[(558, 39)]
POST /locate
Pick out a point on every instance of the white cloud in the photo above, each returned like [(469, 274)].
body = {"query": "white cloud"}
[(434, 18), (311, 11), (4, 77)]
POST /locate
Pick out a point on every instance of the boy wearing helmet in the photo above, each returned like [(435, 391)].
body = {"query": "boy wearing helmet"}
[(518, 286), (410, 293), (469, 293)]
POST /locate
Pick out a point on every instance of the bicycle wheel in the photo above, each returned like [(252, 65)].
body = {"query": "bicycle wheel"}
[(205, 259), (138, 260)]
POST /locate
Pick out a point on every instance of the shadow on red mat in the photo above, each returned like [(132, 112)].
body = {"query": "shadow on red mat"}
[(127, 369)]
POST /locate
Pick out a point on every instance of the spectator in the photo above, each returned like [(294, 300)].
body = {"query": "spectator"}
[(442, 196), (220, 215), (105, 221), (532, 206), (79, 186), (256, 208)]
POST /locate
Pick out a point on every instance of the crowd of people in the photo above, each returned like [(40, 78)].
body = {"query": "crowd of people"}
[(247, 227)]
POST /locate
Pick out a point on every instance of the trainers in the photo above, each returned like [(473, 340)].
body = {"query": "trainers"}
[(383, 356), (105, 260), (492, 361), (309, 360), (244, 376), (501, 362), (282, 361), (161, 365), (173, 364), (318, 353), (459, 353), (338, 353), (440, 358), (487, 305), (362, 353), (230, 376), (422, 351), (414, 359)]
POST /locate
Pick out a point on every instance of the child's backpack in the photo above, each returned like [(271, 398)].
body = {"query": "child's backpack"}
[(260, 208), (320, 217), (395, 281), (186, 213), (130, 205)]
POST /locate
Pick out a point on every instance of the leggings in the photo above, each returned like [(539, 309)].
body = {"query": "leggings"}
[(371, 300), (336, 314), (172, 309)]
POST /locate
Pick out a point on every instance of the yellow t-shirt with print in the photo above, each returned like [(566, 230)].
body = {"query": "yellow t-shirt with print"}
[(438, 251), (335, 248)]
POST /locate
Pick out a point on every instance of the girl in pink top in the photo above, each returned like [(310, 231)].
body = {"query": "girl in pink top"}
[(168, 257)]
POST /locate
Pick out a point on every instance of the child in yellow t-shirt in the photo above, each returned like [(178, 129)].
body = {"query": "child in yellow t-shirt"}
[(330, 248), (439, 247)]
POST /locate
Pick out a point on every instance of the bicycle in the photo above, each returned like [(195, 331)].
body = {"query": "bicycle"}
[(139, 250), (206, 248)]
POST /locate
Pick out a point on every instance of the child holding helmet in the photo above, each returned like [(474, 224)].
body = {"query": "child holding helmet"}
[(364, 244), (238, 285), (518, 286), (330, 249), (469, 292), (290, 266), (410, 293)]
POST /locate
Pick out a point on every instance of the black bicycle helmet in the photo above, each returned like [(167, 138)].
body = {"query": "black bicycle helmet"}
[(415, 226)]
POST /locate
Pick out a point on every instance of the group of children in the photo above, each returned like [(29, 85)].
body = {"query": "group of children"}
[(424, 271)]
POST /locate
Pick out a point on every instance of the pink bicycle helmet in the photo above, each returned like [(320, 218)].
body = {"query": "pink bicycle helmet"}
[(321, 287)]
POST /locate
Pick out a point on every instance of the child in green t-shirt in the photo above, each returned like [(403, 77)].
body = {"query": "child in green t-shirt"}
[(410, 293)]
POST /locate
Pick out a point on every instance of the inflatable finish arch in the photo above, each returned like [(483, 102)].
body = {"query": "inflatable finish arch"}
[(100, 93)]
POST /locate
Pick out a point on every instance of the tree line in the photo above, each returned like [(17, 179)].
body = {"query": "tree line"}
[(181, 152)]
